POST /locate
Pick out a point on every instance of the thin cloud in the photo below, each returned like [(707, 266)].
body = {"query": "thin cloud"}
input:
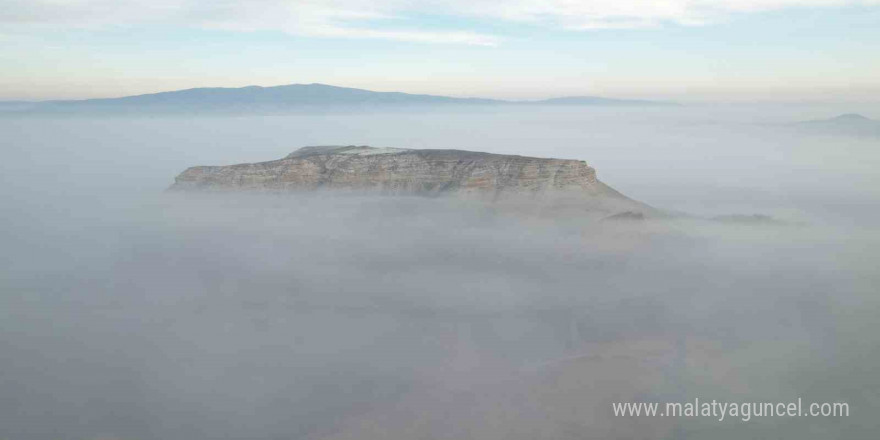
[(458, 37), (603, 14), (389, 19)]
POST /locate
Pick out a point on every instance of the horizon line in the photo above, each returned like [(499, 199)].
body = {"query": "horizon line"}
[(256, 86)]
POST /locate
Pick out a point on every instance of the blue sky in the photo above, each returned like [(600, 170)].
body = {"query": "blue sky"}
[(690, 50)]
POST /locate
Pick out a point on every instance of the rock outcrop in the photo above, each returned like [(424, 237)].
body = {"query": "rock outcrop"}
[(417, 172)]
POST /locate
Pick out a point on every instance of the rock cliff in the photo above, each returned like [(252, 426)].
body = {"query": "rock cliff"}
[(417, 172)]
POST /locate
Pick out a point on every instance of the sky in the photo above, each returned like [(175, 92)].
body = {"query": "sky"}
[(688, 50)]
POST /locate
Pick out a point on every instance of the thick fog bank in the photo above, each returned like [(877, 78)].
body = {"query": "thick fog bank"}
[(129, 312)]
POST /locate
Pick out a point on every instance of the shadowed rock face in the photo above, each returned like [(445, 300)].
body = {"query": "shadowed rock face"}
[(406, 171)]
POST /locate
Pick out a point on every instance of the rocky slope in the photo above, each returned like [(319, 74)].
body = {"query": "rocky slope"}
[(418, 172)]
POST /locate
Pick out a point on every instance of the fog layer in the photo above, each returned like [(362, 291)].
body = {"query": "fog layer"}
[(129, 312)]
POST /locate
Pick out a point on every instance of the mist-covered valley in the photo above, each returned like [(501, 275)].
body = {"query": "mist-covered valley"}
[(134, 313)]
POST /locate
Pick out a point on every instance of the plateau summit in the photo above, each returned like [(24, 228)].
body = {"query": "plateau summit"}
[(397, 171)]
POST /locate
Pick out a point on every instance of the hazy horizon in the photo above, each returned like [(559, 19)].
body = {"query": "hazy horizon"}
[(723, 51), (308, 84), (869, 97)]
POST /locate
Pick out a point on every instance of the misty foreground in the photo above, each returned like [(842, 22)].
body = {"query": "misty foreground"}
[(127, 312), (206, 316)]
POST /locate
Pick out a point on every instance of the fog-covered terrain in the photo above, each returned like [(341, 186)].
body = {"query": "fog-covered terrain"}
[(132, 313)]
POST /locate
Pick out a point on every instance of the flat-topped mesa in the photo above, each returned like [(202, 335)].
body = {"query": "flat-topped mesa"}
[(406, 171)]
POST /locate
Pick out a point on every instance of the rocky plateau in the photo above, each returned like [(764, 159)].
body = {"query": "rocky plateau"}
[(396, 171)]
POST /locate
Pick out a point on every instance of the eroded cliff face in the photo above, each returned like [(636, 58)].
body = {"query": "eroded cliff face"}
[(405, 171)]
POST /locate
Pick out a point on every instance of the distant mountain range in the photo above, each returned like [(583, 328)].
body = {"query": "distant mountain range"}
[(279, 98), (850, 124)]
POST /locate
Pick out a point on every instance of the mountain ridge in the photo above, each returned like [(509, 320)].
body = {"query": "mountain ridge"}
[(291, 96), (848, 124)]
